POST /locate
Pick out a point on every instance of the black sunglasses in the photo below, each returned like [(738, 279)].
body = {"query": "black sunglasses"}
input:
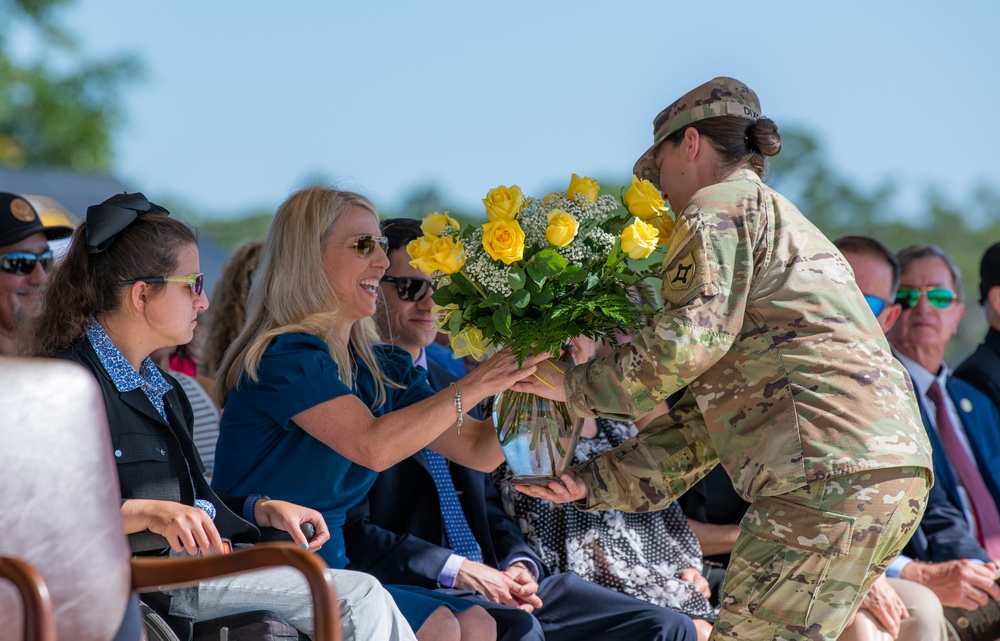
[(23, 263), (366, 244), (410, 289), (196, 281)]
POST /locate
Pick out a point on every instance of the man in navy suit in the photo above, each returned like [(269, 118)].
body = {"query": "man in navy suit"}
[(982, 368), (432, 523), (943, 554), (962, 423)]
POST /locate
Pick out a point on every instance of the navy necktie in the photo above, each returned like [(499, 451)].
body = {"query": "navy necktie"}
[(456, 526)]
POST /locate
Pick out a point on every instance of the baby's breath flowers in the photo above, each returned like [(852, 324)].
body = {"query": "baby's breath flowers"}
[(542, 270)]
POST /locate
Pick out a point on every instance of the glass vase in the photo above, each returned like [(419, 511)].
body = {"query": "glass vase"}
[(538, 436)]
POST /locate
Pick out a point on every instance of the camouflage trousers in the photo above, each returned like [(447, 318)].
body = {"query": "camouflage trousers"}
[(805, 560)]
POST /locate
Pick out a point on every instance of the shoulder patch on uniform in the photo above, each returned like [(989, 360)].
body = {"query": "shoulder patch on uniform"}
[(682, 272)]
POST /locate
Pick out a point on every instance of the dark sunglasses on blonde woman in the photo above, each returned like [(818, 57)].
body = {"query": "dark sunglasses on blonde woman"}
[(410, 289), (366, 244)]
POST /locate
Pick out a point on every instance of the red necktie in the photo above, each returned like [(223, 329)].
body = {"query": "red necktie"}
[(983, 506)]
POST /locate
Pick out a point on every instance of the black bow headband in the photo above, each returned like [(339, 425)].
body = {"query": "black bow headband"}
[(107, 220)]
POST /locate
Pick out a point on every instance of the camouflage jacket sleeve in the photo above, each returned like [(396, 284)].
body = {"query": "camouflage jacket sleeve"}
[(707, 278), (650, 470)]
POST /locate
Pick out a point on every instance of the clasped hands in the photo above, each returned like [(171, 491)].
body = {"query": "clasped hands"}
[(514, 586)]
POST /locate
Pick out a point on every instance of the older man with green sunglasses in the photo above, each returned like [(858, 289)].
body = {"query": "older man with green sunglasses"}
[(962, 422)]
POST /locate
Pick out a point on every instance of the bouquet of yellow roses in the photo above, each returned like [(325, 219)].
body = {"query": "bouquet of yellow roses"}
[(541, 271)]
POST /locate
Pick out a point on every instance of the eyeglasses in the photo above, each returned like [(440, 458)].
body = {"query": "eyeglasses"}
[(366, 244), (23, 263), (938, 297), (196, 281), (877, 304), (410, 289)]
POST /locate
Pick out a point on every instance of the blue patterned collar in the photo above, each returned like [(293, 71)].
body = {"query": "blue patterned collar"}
[(123, 375)]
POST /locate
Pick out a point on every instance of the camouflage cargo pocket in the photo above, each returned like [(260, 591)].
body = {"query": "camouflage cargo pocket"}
[(784, 558)]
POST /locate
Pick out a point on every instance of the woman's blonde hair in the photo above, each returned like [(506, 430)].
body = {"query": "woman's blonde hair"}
[(291, 293)]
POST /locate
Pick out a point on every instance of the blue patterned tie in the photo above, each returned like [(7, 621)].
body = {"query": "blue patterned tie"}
[(456, 527)]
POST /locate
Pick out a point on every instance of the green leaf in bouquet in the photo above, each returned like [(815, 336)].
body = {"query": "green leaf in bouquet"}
[(573, 274), (615, 255), (464, 285), (483, 322), (549, 263), (536, 279), (447, 296), (543, 297), (592, 280), (519, 299), (515, 278), (496, 298), (455, 322), (501, 321)]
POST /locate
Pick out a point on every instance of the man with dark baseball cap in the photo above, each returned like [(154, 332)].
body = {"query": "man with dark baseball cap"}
[(982, 368), (24, 258)]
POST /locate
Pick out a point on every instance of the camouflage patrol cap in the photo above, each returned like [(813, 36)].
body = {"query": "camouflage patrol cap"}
[(717, 97)]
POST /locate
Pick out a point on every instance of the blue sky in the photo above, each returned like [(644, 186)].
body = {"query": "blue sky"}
[(244, 101)]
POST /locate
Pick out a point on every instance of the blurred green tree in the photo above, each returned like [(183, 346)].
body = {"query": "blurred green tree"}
[(58, 111)]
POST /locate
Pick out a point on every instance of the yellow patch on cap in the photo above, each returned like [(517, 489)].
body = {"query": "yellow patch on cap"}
[(22, 210)]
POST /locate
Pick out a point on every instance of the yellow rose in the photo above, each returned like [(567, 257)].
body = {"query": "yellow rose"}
[(504, 240), (503, 203), (445, 255), (664, 226), (639, 239), (643, 200), (435, 223), (583, 185), (562, 228), (470, 342), (419, 249)]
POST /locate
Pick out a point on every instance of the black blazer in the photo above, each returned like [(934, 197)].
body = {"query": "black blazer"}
[(396, 533), (157, 459), (982, 368)]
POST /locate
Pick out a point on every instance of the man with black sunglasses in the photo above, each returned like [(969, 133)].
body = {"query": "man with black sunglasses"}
[(25, 258), (430, 522), (962, 422)]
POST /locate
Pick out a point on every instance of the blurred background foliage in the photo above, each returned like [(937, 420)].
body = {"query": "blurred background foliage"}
[(62, 109)]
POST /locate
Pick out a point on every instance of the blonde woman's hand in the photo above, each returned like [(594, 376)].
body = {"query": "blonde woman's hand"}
[(568, 488), (290, 517), (497, 374)]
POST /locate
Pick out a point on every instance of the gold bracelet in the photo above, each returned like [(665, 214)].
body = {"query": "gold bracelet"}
[(458, 409)]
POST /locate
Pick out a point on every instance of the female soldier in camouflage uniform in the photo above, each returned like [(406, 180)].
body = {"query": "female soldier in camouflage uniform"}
[(790, 385)]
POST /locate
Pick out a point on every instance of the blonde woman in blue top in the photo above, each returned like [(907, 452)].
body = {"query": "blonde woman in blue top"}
[(315, 406)]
